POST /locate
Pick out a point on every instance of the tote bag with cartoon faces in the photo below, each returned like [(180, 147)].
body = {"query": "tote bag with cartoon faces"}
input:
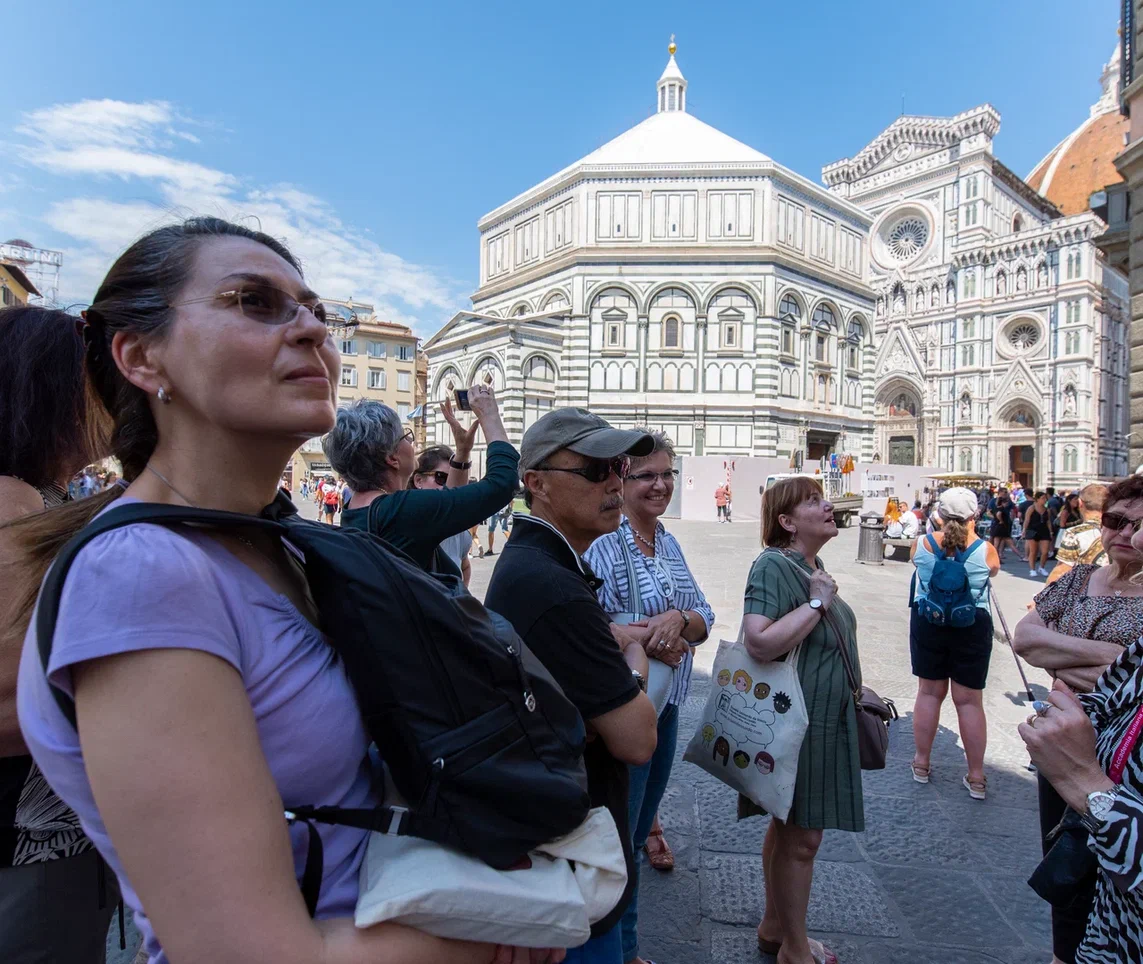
[(752, 727)]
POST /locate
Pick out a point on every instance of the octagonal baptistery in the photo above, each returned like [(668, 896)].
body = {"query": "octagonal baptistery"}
[(679, 278)]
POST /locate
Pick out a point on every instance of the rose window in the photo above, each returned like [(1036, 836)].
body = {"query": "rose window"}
[(1024, 337), (907, 238)]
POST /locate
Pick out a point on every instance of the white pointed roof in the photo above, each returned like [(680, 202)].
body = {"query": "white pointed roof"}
[(672, 137), (671, 71)]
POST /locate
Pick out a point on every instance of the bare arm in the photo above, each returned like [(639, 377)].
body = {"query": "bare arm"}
[(465, 568), (16, 499), (631, 731), (1052, 650), (159, 764), (766, 639)]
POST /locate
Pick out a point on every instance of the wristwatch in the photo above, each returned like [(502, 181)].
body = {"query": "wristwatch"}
[(816, 603), (463, 466), (1099, 804), (686, 617), (640, 679)]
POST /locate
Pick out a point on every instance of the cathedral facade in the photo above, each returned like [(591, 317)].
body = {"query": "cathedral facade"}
[(678, 278)]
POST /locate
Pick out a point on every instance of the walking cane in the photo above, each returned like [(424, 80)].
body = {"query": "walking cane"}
[(1008, 637)]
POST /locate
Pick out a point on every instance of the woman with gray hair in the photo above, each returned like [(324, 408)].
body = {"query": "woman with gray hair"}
[(373, 452), (644, 573)]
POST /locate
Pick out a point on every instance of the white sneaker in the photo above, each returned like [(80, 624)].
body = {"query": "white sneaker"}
[(1031, 572), (1043, 571)]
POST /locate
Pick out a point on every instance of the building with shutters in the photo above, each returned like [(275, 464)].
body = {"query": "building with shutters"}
[(926, 307)]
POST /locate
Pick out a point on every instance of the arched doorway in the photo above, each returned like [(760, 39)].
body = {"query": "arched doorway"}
[(898, 411), (1017, 438)]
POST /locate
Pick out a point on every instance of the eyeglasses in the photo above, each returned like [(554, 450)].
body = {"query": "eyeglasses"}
[(273, 306), (409, 437), (1115, 521), (671, 475), (440, 478), (597, 470)]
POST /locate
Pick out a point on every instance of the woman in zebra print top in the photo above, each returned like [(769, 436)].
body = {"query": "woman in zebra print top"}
[(1079, 744)]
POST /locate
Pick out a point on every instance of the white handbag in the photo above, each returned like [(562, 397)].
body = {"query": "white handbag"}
[(568, 885), (751, 731), (659, 674)]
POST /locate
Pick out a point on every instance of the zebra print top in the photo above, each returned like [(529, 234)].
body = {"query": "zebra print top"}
[(1115, 928)]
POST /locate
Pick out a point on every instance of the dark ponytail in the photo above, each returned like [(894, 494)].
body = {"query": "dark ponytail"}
[(136, 296)]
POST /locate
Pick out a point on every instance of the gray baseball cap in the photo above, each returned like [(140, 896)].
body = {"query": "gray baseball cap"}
[(580, 431)]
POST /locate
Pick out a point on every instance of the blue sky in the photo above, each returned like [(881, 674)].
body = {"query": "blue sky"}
[(372, 136)]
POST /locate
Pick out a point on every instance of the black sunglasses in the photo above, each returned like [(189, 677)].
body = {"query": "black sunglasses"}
[(441, 478), (597, 470), (1115, 521)]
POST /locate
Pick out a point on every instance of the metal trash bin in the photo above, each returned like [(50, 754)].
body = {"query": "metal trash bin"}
[(870, 545)]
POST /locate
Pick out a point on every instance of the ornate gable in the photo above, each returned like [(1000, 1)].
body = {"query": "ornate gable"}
[(910, 137), (1019, 382), (898, 355)]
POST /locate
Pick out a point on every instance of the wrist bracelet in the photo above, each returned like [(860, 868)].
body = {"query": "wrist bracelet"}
[(686, 618), (462, 466)]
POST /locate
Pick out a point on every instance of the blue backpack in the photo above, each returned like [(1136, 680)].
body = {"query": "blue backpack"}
[(949, 599)]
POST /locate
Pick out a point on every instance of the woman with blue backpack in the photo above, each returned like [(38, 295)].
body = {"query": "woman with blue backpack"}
[(950, 634)]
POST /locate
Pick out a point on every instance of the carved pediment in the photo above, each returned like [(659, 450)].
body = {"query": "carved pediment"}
[(898, 354)]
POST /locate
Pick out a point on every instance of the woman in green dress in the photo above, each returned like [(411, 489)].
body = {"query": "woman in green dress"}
[(792, 600)]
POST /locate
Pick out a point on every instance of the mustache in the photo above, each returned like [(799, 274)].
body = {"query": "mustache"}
[(615, 502)]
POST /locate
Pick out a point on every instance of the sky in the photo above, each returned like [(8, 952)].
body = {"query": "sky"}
[(372, 136)]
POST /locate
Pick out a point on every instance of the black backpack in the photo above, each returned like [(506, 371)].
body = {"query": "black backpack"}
[(475, 732)]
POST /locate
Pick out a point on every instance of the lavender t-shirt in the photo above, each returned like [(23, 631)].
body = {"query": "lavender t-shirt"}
[(148, 587)]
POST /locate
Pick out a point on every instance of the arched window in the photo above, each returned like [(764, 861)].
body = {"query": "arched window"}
[(1071, 459), (671, 331), (824, 317), (965, 460), (1017, 223), (789, 309)]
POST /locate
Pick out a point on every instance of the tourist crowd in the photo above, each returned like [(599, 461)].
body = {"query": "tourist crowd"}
[(185, 722)]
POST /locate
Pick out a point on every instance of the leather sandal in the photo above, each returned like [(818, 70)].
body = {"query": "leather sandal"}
[(661, 859)]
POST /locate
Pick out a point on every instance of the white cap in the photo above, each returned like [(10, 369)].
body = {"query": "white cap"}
[(958, 504)]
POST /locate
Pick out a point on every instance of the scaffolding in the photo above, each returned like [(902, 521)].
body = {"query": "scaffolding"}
[(41, 265)]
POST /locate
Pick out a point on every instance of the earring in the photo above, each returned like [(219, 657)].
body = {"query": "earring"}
[(163, 395)]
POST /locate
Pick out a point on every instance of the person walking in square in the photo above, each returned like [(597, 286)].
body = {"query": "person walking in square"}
[(573, 465), (721, 501), (792, 601)]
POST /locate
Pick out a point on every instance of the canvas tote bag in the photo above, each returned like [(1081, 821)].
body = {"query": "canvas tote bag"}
[(751, 730)]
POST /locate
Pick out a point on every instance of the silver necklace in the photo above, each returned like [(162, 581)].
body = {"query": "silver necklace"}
[(167, 482), (650, 545)]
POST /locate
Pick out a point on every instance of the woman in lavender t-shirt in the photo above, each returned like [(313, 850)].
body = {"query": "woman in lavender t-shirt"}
[(207, 699)]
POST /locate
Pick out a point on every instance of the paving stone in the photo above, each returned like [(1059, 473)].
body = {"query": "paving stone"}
[(843, 899), (884, 953), (669, 905), (734, 945), (720, 828), (1021, 906), (947, 907), (914, 831)]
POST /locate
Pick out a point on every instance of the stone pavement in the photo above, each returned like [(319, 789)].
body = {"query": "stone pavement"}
[(935, 879)]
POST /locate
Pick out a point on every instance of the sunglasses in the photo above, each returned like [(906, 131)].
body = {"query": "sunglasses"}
[(597, 470), (671, 475), (440, 478), (1115, 521), (268, 305)]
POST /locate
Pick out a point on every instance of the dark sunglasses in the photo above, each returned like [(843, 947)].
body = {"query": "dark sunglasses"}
[(1115, 521), (671, 475), (597, 470), (441, 478)]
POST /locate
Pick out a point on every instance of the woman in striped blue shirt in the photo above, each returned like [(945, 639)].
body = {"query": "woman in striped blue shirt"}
[(678, 617)]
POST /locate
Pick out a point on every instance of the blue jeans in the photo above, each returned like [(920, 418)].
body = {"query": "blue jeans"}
[(605, 949), (647, 784)]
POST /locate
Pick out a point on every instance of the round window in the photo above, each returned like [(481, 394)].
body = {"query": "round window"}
[(1024, 336), (907, 238)]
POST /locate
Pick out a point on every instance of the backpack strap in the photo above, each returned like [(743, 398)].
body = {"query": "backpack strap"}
[(634, 593), (933, 547), (48, 607)]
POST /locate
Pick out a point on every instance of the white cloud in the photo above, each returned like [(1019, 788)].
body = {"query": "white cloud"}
[(91, 142)]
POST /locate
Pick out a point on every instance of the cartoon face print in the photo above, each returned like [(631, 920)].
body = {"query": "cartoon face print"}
[(761, 691), (764, 762), (741, 759), (722, 749), (724, 677), (742, 681), (781, 702), (707, 734)]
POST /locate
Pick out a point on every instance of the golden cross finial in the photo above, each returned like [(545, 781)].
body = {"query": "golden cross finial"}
[(671, 48)]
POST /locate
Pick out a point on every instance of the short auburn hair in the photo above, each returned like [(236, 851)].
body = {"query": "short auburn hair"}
[(782, 498), (1125, 490)]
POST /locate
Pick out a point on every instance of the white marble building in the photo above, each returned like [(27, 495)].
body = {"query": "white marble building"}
[(929, 307), (675, 277), (1001, 333)]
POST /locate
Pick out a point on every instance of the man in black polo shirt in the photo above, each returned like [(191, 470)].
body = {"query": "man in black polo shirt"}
[(573, 465)]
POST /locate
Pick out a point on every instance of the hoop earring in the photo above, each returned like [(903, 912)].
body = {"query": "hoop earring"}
[(163, 395)]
